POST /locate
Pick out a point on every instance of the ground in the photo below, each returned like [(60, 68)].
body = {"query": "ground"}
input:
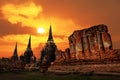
[(88, 68), (68, 72), (52, 76)]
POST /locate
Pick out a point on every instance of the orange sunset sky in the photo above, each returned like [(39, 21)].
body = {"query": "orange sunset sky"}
[(20, 18)]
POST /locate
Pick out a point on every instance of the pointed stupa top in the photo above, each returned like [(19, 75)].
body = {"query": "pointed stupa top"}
[(50, 37), (15, 51), (29, 43)]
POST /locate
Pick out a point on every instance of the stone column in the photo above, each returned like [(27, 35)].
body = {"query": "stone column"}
[(91, 46), (85, 43), (82, 43), (78, 46), (100, 41), (67, 51), (107, 40), (100, 45), (91, 42), (110, 41), (72, 46), (94, 45), (86, 46), (88, 41)]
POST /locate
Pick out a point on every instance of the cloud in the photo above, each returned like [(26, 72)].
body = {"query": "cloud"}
[(7, 28), (17, 2), (32, 15), (23, 39), (60, 36), (23, 13)]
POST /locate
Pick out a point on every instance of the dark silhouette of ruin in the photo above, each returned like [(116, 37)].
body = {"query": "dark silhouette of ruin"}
[(28, 54), (48, 53), (27, 57), (15, 54)]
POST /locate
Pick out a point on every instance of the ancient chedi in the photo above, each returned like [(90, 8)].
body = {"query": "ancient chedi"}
[(15, 54), (28, 54), (48, 53), (91, 43), (50, 46)]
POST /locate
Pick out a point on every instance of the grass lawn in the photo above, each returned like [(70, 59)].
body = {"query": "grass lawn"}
[(51, 76)]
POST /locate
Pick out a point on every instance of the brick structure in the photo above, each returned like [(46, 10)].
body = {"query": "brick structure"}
[(90, 43)]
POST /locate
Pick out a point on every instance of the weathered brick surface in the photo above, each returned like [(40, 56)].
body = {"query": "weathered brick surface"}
[(88, 68), (91, 43)]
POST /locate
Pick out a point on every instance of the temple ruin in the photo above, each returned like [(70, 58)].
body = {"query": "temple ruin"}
[(90, 43)]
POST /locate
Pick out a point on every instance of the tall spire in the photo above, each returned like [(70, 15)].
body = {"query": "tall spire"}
[(15, 51), (29, 43), (50, 37)]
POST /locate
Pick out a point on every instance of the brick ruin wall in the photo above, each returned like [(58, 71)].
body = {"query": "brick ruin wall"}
[(90, 43)]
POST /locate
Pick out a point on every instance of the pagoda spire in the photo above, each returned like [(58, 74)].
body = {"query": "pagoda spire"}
[(15, 55), (15, 50), (50, 37), (29, 43)]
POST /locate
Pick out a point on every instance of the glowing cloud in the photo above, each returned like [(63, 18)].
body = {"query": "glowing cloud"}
[(23, 13), (31, 15)]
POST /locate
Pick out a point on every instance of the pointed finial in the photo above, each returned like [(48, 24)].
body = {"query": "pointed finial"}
[(16, 46), (29, 43), (50, 37), (15, 50)]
